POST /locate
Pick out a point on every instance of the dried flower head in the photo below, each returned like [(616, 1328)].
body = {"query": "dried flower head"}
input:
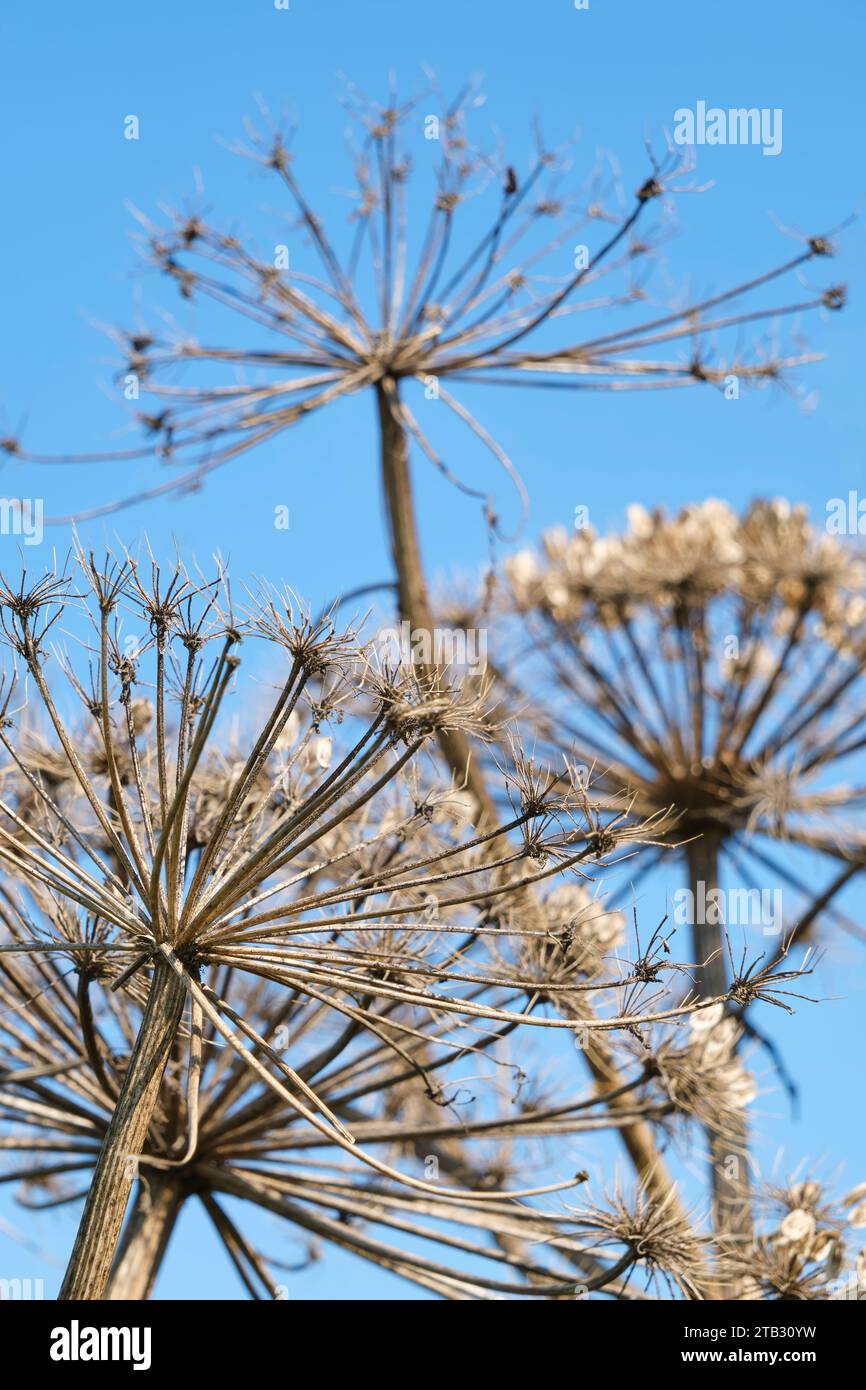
[(396, 303), (658, 1240), (208, 884), (800, 1248), (712, 663)]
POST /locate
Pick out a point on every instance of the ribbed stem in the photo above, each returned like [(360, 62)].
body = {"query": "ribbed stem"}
[(411, 585), (98, 1233), (156, 1207), (729, 1172)]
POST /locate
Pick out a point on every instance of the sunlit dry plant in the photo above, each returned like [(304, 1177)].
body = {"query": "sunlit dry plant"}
[(66, 1033), (475, 295), (249, 942), (655, 1235), (704, 1076), (218, 1134), (802, 1246), (712, 663), (458, 270)]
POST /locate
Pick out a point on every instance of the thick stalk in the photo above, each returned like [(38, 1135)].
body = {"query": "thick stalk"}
[(638, 1138), (104, 1209), (729, 1169), (155, 1210), (411, 585), (415, 609)]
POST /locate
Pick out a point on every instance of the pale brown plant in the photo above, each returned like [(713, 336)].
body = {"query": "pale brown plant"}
[(485, 314), (712, 663), (205, 892), (482, 290)]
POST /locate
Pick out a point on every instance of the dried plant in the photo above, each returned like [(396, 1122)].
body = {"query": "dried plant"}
[(216, 1133), (479, 313), (711, 663), (706, 1077), (207, 892), (656, 1237), (483, 293), (801, 1249)]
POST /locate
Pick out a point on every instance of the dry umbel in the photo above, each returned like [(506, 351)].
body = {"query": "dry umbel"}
[(162, 862), (802, 1248), (712, 663), (431, 307), (217, 1133), (471, 279)]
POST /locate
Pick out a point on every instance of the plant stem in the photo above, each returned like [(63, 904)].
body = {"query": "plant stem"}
[(415, 609), (411, 585), (729, 1170), (154, 1214), (89, 1265), (637, 1137)]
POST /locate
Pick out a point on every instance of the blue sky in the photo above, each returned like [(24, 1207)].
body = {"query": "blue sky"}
[(618, 71)]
